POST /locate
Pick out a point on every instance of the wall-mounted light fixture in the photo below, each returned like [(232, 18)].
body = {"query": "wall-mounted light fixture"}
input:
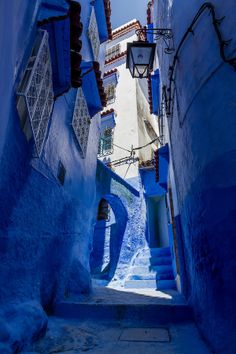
[(140, 54), (140, 57)]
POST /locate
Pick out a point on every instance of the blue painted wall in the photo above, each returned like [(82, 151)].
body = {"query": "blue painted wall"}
[(129, 208), (45, 228), (202, 140)]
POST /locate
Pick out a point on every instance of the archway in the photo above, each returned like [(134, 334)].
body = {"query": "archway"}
[(108, 236)]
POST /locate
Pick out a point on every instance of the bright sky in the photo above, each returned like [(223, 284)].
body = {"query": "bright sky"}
[(125, 10)]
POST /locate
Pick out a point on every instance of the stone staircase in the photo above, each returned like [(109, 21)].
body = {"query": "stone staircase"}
[(140, 306), (151, 269), (141, 299)]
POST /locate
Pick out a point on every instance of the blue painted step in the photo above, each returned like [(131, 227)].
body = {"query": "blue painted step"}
[(151, 269), (156, 252), (147, 276), (151, 276), (165, 276), (159, 269), (149, 314), (140, 284), (166, 284), (160, 261)]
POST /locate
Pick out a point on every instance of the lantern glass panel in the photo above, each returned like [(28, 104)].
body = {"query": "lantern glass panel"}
[(141, 55), (141, 71)]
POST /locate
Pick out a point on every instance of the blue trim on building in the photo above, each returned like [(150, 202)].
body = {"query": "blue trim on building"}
[(155, 82), (150, 36), (101, 20), (111, 79), (108, 121), (90, 89), (117, 178), (59, 42), (53, 8), (151, 188), (163, 153)]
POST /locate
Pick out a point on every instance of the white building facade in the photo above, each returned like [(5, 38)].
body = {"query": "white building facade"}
[(127, 123)]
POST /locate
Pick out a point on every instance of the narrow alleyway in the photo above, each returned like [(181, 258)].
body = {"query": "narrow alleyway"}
[(130, 319), (117, 177)]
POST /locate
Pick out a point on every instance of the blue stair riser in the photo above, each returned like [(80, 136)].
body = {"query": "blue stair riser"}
[(156, 252), (160, 269), (166, 284), (151, 276), (149, 314), (143, 261), (161, 261), (140, 270), (140, 284), (165, 276)]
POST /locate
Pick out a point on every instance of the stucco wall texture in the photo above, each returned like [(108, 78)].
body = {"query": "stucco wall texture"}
[(45, 228), (202, 138), (129, 231)]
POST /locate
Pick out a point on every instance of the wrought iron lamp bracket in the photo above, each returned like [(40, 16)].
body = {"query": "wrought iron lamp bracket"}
[(166, 34)]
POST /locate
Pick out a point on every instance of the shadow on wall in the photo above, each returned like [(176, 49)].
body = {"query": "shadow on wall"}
[(108, 236)]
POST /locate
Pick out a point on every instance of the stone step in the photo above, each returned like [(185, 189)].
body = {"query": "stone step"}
[(148, 314), (151, 276), (140, 284), (166, 284), (146, 276), (156, 252), (165, 276), (142, 261), (145, 261), (159, 269), (155, 261)]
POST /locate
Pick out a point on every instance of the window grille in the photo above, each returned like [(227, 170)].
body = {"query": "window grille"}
[(35, 93), (81, 122), (94, 35), (110, 93), (105, 147), (113, 51)]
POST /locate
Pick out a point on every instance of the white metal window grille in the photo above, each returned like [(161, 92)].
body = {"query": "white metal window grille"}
[(110, 91), (113, 51), (35, 92), (94, 35), (81, 122), (105, 147)]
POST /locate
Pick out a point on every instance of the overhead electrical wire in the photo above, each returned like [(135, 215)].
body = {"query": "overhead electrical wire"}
[(132, 153)]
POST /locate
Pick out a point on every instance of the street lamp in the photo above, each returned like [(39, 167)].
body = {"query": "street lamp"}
[(140, 57), (140, 54)]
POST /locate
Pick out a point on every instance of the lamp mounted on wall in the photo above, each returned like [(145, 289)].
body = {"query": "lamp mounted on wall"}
[(141, 53)]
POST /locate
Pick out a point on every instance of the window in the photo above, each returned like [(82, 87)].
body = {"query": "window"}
[(106, 143), (110, 91), (103, 210), (81, 122), (35, 93), (113, 51), (94, 35)]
